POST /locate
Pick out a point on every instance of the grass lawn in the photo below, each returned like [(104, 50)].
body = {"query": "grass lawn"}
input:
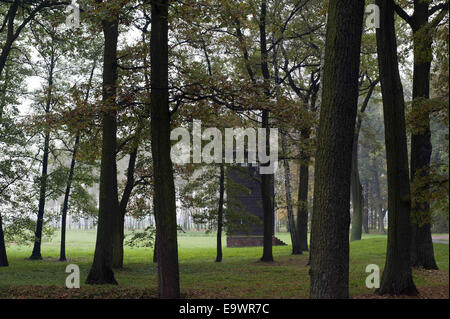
[(240, 275)]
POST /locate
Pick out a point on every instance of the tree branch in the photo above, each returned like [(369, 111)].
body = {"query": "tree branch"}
[(402, 14)]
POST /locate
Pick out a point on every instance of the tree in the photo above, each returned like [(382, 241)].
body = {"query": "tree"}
[(379, 207), (303, 79), (62, 253), (356, 188), (3, 256), (164, 194), (134, 98), (296, 250), (13, 32), (266, 179), (331, 216), (422, 253), (50, 55), (14, 167), (220, 213), (397, 277), (101, 270)]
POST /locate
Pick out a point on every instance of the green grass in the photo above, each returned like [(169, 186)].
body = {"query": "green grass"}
[(240, 275)]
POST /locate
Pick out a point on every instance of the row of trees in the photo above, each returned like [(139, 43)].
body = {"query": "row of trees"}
[(257, 64)]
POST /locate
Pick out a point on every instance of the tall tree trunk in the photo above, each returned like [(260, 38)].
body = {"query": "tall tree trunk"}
[(266, 179), (221, 178), (164, 194), (62, 254), (291, 226), (36, 254), (356, 187), (422, 251), (3, 256), (329, 270), (397, 277), (220, 213), (302, 199), (101, 271)]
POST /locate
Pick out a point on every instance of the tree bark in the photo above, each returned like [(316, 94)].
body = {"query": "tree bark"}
[(220, 213), (329, 270), (397, 277), (164, 194), (101, 271)]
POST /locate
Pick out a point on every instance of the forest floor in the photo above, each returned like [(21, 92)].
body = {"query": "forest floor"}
[(239, 275)]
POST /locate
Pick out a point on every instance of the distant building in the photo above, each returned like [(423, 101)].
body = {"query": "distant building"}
[(246, 199)]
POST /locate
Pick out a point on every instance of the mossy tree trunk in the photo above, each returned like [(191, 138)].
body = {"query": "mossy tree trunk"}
[(329, 270)]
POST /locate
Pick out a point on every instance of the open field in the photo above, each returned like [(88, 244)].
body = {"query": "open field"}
[(240, 275)]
